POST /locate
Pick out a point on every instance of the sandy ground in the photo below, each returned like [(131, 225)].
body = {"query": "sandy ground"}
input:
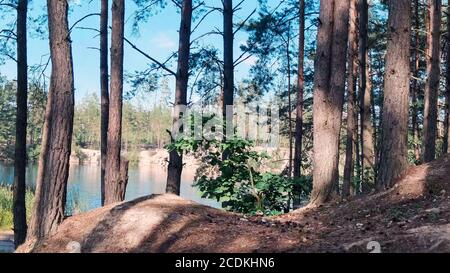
[(412, 217), (161, 156), (152, 156)]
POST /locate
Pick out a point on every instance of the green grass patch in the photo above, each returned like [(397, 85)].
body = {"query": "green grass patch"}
[(6, 206)]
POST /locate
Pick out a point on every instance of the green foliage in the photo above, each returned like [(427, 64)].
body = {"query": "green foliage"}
[(142, 128), (141, 83), (145, 9), (37, 100), (36, 108), (6, 206), (80, 154), (86, 132), (205, 65), (7, 118), (411, 155), (235, 179)]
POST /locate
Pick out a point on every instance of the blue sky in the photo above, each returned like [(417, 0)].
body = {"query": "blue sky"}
[(158, 37)]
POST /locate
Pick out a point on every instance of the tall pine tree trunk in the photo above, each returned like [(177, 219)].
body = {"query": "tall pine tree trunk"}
[(394, 139), (329, 88), (288, 56), (228, 69), (365, 96), (176, 160), (415, 84), (20, 160), (433, 77), (447, 117), (53, 171), (104, 81), (371, 117), (352, 120), (114, 184), (300, 91)]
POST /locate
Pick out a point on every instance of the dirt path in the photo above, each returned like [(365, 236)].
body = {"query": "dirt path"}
[(6, 242)]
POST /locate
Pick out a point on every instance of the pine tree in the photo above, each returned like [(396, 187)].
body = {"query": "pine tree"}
[(394, 144), (329, 88), (53, 171)]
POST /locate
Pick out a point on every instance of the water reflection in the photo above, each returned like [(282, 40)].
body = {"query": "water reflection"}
[(84, 183)]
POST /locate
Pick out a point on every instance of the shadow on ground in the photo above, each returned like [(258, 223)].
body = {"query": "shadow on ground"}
[(412, 217)]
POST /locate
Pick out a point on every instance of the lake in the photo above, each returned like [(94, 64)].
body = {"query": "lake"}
[(84, 184)]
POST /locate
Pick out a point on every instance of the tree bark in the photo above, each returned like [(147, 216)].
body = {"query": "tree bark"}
[(228, 71), (329, 89), (447, 117), (20, 160), (176, 160), (300, 92), (53, 171), (288, 56), (124, 164), (415, 84), (371, 117), (352, 117), (394, 142), (104, 81), (113, 155), (365, 96), (433, 77)]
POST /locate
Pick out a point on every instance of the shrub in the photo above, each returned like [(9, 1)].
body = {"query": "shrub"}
[(6, 206), (235, 179)]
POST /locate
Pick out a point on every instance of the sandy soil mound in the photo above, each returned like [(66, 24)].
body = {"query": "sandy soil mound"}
[(164, 223), (412, 217)]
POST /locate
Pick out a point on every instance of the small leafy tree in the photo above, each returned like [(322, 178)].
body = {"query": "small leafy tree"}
[(236, 181)]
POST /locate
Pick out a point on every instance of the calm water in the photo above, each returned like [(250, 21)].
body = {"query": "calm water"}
[(84, 184)]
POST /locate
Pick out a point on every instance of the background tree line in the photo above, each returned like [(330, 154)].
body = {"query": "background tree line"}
[(86, 123)]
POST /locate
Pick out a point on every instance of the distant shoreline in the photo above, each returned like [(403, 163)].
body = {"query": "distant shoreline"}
[(156, 156), (147, 157)]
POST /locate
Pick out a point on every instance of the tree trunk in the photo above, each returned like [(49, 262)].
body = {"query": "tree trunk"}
[(53, 171), (228, 72), (432, 84), (329, 89), (20, 160), (352, 117), (288, 56), (104, 81), (369, 100), (415, 84), (357, 189), (365, 96), (176, 160), (300, 91), (113, 155), (394, 139), (124, 164), (447, 117)]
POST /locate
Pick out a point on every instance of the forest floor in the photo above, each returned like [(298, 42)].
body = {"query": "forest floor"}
[(412, 217)]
